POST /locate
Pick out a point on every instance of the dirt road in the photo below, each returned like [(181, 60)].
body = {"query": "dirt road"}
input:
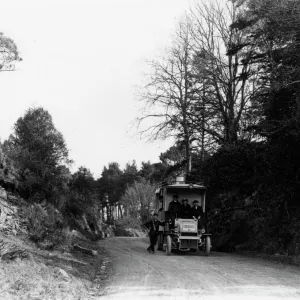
[(137, 274)]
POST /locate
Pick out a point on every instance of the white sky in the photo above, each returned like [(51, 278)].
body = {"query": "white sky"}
[(81, 61)]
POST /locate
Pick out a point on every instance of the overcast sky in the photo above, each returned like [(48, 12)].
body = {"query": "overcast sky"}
[(81, 61)]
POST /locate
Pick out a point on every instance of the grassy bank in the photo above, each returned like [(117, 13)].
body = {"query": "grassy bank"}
[(55, 275)]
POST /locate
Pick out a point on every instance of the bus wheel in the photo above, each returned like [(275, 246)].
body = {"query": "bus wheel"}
[(169, 245), (207, 245)]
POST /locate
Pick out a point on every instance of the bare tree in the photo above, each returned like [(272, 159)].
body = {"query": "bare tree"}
[(200, 92), (226, 76), (168, 93)]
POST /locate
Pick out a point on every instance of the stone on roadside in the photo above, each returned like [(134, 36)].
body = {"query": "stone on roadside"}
[(61, 274), (3, 194)]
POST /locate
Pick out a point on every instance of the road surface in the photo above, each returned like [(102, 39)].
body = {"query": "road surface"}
[(136, 274)]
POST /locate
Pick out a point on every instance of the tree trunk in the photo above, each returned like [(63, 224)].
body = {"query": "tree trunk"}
[(121, 213)]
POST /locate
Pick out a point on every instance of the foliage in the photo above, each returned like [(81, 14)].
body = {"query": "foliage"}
[(41, 155), (83, 184), (9, 54), (201, 92), (153, 172), (44, 225), (130, 174), (272, 29), (231, 166), (138, 200), (129, 222), (110, 182)]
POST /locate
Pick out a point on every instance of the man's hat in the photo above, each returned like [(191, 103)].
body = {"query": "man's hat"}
[(185, 200), (155, 214), (175, 196), (195, 201)]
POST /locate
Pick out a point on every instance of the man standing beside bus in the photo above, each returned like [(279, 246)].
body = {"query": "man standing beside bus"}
[(153, 227)]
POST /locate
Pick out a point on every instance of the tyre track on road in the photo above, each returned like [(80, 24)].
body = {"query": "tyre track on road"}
[(140, 275)]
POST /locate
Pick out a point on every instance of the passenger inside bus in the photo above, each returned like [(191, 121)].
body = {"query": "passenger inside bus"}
[(174, 209), (185, 209), (197, 213)]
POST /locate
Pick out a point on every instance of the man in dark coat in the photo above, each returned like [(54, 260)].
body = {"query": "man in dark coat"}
[(197, 213), (174, 208), (185, 209), (153, 227)]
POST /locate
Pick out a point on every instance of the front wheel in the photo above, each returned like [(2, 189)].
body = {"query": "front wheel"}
[(207, 245), (169, 245)]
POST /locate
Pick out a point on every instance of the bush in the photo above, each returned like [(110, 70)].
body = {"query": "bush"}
[(45, 225), (231, 165), (121, 231), (129, 222)]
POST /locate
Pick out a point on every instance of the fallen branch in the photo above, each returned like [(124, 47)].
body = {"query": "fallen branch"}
[(85, 250)]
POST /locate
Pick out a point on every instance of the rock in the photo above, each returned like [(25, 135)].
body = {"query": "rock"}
[(3, 194), (62, 274), (49, 262), (11, 251), (46, 245)]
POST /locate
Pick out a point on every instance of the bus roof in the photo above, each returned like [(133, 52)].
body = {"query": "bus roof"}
[(182, 186)]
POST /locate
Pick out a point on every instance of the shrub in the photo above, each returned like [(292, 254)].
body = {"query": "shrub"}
[(44, 225)]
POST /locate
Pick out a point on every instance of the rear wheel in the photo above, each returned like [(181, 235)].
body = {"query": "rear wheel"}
[(207, 245), (169, 245)]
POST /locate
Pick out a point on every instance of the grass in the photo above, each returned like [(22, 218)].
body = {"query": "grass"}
[(41, 276)]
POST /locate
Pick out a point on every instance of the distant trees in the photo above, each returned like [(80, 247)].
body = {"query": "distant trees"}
[(110, 182), (83, 185), (139, 200)]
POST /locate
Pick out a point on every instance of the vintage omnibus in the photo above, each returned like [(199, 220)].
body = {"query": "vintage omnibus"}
[(182, 234)]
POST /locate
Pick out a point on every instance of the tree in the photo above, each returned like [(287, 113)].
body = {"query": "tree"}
[(110, 183), (174, 161), (83, 196), (201, 91), (9, 54), (139, 199), (272, 30), (83, 183), (168, 92), (154, 173), (225, 97), (40, 150), (130, 174)]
